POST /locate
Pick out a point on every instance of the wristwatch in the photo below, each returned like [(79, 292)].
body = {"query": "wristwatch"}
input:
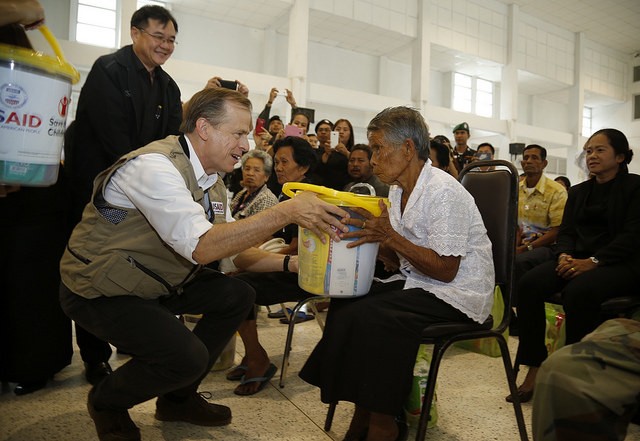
[(594, 260), (530, 247)]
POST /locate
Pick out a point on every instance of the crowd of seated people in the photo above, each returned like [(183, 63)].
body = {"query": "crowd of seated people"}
[(576, 250)]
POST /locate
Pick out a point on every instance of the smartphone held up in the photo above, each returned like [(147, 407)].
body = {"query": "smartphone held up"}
[(291, 130), (335, 139)]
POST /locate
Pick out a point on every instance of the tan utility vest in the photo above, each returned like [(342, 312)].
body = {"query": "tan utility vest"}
[(125, 255)]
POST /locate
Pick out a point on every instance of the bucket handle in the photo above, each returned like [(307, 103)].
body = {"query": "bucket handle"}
[(66, 67), (353, 199), (48, 35)]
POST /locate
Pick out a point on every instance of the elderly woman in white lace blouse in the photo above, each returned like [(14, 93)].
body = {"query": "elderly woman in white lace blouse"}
[(434, 234)]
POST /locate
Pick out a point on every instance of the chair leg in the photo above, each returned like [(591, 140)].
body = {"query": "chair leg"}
[(436, 358), (287, 344), (511, 379), (329, 419)]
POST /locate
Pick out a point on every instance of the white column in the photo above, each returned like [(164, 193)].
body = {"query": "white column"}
[(509, 83), (127, 8), (298, 50), (421, 62), (576, 106)]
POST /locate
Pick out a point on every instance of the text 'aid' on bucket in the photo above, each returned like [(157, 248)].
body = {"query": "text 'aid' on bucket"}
[(331, 268), (35, 98)]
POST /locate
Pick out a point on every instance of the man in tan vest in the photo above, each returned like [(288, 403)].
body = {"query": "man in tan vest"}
[(136, 260)]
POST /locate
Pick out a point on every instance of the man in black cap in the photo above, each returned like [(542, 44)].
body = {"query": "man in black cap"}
[(462, 153)]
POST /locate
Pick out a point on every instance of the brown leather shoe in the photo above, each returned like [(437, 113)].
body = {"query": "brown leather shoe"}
[(112, 425), (525, 396), (195, 410)]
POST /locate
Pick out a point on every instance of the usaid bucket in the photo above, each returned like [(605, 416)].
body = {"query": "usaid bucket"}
[(331, 268), (35, 93)]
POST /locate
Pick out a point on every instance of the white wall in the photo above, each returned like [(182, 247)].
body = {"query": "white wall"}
[(343, 83)]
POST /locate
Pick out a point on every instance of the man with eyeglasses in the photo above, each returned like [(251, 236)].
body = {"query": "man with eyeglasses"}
[(126, 102), (137, 259)]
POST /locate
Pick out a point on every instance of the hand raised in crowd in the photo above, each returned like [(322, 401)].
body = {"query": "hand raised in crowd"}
[(290, 99), (568, 267), (273, 93), (215, 82)]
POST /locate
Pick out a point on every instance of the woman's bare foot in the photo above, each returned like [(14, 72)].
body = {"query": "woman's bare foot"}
[(525, 391), (382, 427), (359, 425)]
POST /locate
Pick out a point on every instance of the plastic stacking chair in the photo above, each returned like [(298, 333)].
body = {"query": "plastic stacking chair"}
[(496, 195)]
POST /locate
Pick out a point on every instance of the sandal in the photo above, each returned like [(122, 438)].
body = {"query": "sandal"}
[(236, 373), (300, 317)]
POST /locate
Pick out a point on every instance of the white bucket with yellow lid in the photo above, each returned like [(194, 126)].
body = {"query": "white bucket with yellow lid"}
[(331, 268), (35, 94)]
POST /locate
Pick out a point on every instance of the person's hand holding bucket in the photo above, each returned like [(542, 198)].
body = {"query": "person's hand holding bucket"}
[(316, 215), (370, 228)]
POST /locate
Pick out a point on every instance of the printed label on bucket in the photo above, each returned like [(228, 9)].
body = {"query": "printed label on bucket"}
[(333, 269), (33, 113)]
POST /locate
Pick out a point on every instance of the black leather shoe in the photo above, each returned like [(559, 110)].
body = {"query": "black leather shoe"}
[(112, 425), (525, 396), (29, 387), (96, 372)]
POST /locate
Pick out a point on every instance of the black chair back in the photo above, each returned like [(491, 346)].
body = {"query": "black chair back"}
[(496, 196)]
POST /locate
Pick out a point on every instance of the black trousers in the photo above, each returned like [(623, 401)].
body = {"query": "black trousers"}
[(167, 358), (273, 287), (581, 299), (525, 262), (368, 350)]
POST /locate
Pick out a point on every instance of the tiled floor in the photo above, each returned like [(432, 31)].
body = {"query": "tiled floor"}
[(471, 406)]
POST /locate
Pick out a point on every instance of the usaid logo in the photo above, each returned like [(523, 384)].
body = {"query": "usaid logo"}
[(13, 96)]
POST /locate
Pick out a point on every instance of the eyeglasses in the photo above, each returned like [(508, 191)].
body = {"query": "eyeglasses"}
[(159, 38)]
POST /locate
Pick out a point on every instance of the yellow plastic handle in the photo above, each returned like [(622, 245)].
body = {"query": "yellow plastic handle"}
[(52, 42), (65, 67), (369, 203)]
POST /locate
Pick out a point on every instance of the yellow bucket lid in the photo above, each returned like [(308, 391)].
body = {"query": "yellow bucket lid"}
[(339, 198), (56, 65)]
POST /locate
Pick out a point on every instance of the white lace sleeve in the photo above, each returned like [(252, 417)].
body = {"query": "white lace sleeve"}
[(449, 222)]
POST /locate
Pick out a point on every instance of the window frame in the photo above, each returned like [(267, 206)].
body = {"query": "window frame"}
[(73, 23), (474, 92)]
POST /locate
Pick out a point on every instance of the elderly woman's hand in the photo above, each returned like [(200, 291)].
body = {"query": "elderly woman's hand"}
[(372, 228)]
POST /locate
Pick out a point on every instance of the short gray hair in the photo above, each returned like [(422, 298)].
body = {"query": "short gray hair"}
[(400, 123), (211, 104), (259, 154)]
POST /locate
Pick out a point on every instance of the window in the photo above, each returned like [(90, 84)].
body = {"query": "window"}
[(472, 95), (462, 92), (97, 22), (586, 122)]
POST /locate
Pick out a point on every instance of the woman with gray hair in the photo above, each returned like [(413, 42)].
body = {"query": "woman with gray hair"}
[(254, 196)]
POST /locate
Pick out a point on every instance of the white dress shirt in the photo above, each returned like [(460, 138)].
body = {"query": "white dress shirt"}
[(151, 184)]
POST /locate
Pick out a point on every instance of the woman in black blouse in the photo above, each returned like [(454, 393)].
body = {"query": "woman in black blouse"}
[(597, 253)]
